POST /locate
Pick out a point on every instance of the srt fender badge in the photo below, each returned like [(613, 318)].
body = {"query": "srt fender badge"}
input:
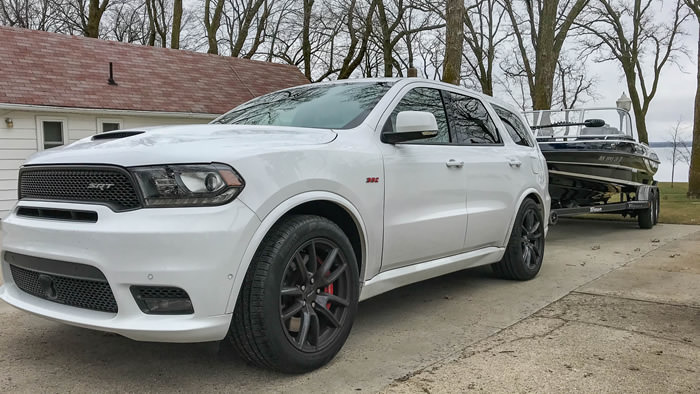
[(373, 180)]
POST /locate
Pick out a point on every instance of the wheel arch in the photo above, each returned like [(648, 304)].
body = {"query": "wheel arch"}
[(326, 204), (534, 195)]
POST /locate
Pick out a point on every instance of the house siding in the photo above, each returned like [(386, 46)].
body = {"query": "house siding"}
[(16, 144), (21, 141)]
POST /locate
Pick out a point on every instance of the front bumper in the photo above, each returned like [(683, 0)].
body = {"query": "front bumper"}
[(196, 249)]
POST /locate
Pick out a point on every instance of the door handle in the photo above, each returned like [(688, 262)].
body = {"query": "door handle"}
[(454, 163), (514, 163)]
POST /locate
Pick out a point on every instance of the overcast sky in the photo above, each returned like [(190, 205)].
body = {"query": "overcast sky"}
[(675, 97)]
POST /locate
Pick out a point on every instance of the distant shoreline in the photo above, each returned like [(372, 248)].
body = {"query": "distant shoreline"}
[(669, 144)]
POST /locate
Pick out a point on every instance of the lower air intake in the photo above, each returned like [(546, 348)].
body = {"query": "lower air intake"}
[(81, 293)]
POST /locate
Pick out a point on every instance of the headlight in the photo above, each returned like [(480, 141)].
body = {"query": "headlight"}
[(188, 185)]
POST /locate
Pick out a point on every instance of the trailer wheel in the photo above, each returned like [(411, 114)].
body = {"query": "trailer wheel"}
[(657, 199), (648, 217)]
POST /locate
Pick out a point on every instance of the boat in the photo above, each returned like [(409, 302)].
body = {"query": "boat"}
[(592, 156)]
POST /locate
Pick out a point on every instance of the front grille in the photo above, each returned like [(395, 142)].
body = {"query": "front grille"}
[(81, 293), (102, 185)]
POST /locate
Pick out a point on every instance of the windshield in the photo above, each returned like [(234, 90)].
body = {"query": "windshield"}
[(617, 123), (332, 106)]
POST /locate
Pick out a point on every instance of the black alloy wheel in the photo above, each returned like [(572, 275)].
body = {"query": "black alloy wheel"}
[(314, 296), (522, 259), (298, 301), (531, 239)]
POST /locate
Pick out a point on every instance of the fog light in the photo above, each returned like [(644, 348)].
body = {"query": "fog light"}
[(162, 300)]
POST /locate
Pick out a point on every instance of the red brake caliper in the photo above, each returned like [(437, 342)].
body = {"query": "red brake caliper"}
[(328, 289)]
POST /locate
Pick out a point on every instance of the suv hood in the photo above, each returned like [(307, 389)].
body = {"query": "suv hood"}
[(181, 144)]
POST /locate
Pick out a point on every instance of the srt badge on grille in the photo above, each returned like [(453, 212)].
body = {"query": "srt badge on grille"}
[(100, 186)]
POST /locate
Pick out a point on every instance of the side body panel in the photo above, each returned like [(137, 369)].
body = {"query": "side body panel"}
[(424, 212)]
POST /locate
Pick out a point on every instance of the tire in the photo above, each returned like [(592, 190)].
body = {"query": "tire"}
[(648, 217), (658, 206), (287, 310), (525, 250)]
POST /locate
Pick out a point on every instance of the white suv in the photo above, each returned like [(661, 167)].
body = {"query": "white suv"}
[(268, 226)]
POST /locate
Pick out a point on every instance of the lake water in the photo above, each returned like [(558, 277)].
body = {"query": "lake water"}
[(664, 172)]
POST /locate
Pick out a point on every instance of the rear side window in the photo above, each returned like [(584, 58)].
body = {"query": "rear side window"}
[(517, 130), (469, 120), (426, 100)]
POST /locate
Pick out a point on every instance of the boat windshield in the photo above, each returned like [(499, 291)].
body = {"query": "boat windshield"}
[(617, 123)]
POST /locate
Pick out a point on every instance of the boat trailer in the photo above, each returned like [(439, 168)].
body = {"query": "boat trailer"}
[(645, 206)]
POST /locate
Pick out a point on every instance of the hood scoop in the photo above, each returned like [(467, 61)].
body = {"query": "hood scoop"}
[(114, 135)]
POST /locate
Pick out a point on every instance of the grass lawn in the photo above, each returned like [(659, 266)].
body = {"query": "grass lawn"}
[(676, 208)]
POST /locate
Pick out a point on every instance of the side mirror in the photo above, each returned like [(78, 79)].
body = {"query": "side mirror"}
[(412, 125), (594, 123)]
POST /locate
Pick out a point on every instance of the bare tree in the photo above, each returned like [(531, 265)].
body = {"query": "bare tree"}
[(454, 41), (403, 52), (372, 64), (27, 14), (516, 86), (316, 53), (547, 25), (694, 176), (279, 15), (306, 36), (394, 24), (176, 30), (679, 150), (574, 84), (213, 10), (160, 21), (128, 22), (91, 26), (483, 34), (629, 32), (83, 16), (286, 36), (338, 36), (359, 37), (431, 50), (241, 17)]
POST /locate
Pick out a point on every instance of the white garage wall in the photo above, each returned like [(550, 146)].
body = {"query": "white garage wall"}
[(16, 144), (20, 142)]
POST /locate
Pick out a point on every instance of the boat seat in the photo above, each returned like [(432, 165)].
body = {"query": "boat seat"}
[(605, 130)]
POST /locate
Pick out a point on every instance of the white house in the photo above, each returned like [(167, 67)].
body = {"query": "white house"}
[(56, 89)]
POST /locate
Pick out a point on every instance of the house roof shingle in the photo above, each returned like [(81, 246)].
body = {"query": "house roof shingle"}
[(49, 69)]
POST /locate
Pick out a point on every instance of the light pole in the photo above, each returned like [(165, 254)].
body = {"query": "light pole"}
[(624, 103)]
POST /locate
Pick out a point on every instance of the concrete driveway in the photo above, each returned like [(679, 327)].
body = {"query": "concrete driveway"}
[(407, 338)]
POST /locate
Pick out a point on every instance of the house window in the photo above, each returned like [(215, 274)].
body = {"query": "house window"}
[(105, 125), (110, 126), (52, 133)]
